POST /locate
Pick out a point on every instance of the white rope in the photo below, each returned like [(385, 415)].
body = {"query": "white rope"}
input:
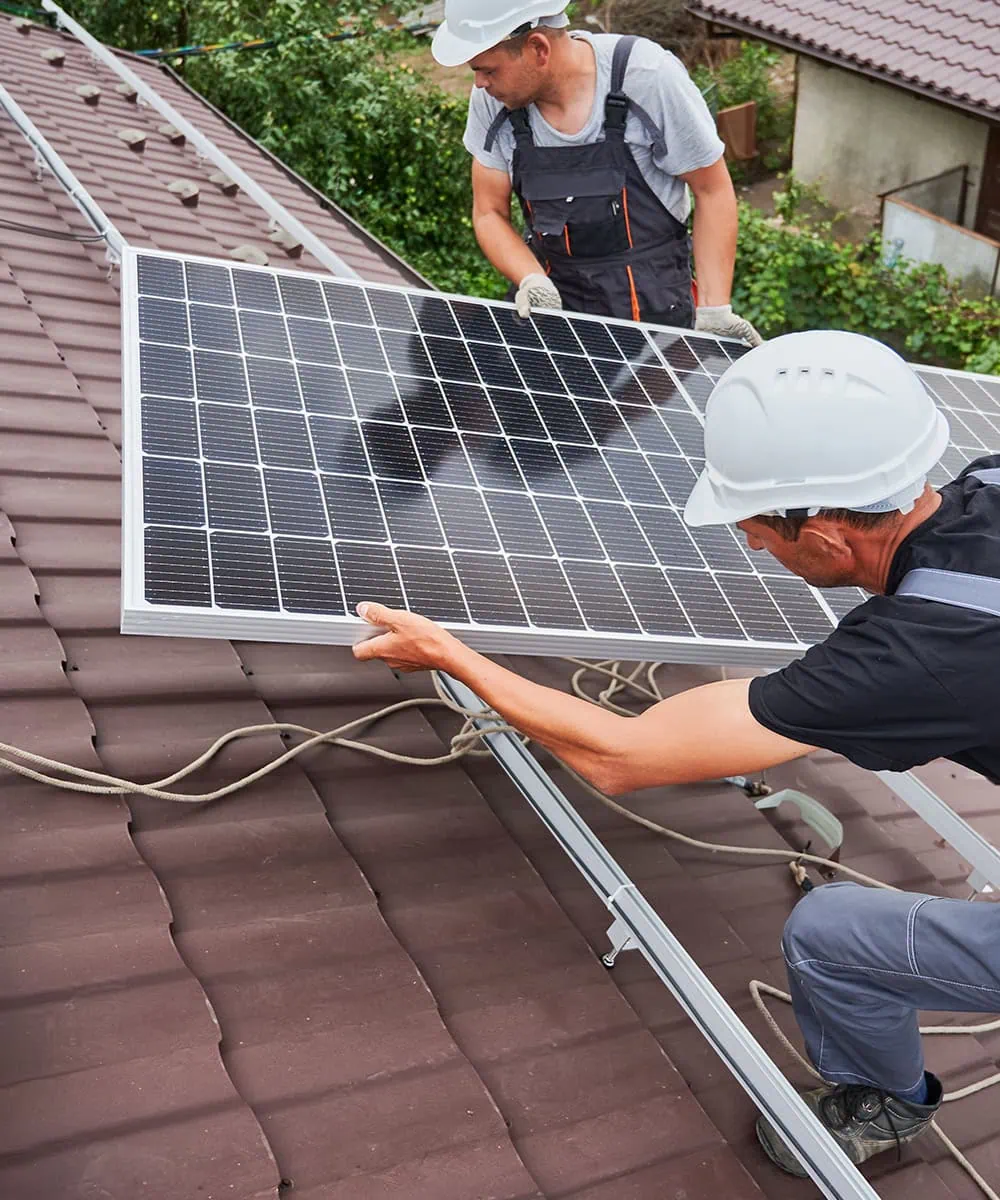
[(468, 741), (464, 742)]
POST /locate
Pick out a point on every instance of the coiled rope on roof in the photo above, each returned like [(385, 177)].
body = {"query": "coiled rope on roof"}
[(640, 681)]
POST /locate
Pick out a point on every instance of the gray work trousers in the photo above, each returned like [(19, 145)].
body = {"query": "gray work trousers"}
[(861, 962)]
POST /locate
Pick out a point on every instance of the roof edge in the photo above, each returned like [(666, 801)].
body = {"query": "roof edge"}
[(765, 34)]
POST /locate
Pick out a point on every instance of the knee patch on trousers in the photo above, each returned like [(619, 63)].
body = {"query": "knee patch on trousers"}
[(812, 928)]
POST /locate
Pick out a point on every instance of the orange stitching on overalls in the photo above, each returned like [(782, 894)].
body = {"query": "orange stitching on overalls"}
[(635, 298)]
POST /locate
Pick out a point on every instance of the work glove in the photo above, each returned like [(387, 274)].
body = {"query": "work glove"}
[(536, 291), (722, 321)]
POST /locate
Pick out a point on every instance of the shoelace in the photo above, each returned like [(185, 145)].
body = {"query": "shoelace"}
[(844, 1105)]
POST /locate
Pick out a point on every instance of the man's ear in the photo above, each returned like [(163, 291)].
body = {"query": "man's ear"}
[(824, 537), (540, 46)]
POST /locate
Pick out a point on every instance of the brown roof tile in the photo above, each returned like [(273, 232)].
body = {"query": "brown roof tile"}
[(133, 187), (949, 50)]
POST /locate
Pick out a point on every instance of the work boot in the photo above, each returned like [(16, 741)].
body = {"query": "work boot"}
[(865, 1121)]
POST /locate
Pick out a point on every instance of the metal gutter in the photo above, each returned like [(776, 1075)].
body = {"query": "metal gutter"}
[(637, 926), (207, 148), (46, 156)]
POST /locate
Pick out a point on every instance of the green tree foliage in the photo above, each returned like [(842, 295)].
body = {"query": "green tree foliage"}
[(794, 276), (138, 26)]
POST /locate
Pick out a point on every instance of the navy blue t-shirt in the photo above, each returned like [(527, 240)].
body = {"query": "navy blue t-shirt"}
[(901, 680)]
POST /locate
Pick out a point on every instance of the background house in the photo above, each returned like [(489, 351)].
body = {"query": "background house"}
[(903, 99)]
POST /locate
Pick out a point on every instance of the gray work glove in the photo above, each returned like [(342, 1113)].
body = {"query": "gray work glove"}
[(536, 291), (723, 322)]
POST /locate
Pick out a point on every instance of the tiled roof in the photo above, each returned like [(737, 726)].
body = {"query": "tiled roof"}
[(949, 48), (371, 981), (132, 186)]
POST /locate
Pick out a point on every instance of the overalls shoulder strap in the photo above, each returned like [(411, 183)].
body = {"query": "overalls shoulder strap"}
[(519, 123), (619, 63), (980, 593), (617, 105), (496, 125)]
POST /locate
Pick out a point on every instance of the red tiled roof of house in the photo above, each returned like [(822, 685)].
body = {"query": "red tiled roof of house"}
[(947, 48), (370, 981)]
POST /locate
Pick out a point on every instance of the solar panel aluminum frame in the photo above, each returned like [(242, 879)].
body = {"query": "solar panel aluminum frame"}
[(141, 617)]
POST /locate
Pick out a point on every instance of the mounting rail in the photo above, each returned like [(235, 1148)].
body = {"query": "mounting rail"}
[(983, 857), (637, 926), (46, 156), (279, 215)]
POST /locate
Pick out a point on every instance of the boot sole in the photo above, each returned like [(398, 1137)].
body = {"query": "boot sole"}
[(765, 1143)]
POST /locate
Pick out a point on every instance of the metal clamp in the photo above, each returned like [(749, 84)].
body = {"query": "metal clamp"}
[(621, 939)]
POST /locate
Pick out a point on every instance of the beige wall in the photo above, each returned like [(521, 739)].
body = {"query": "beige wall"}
[(918, 236), (857, 137)]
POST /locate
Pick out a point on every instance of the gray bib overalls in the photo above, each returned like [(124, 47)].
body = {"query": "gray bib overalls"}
[(599, 230)]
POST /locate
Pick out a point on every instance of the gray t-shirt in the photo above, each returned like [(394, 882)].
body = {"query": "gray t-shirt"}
[(654, 79)]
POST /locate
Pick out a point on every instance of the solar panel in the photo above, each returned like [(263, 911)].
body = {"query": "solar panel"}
[(294, 444), (971, 404)]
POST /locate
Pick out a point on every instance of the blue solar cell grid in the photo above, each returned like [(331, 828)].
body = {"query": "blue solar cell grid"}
[(307, 443)]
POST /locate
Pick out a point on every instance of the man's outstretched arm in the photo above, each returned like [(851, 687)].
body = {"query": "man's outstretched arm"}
[(705, 733)]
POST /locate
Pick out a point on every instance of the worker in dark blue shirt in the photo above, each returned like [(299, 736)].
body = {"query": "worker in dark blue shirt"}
[(818, 446)]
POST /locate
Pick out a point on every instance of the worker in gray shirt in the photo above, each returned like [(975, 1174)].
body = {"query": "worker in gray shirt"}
[(599, 137)]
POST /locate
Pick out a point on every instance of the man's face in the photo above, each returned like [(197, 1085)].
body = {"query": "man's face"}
[(513, 79), (818, 555)]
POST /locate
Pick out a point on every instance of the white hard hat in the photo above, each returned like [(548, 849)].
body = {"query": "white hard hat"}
[(471, 27), (816, 420)]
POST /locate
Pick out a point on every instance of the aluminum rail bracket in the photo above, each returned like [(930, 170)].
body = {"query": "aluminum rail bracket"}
[(820, 1155), (48, 159)]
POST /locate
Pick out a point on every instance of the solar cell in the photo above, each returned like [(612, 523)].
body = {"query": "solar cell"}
[(296, 444)]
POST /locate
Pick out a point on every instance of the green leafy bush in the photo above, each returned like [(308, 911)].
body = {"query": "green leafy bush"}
[(797, 276), (747, 77), (986, 360)]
